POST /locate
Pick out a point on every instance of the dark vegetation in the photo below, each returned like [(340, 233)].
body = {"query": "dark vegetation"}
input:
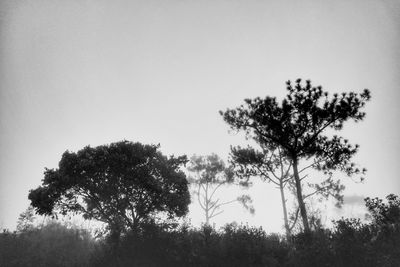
[(139, 194), (349, 243)]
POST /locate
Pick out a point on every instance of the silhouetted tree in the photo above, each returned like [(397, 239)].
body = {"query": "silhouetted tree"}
[(210, 173), (122, 184), (298, 127)]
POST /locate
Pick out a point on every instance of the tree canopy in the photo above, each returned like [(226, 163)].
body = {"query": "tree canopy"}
[(122, 184), (298, 126)]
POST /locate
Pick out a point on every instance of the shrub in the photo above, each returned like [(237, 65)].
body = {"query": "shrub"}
[(50, 245)]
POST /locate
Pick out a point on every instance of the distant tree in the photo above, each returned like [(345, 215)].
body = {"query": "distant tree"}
[(298, 126), (270, 165), (210, 173), (26, 220), (122, 184)]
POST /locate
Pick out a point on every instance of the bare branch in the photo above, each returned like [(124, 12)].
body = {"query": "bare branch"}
[(213, 215), (302, 178), (226, 203), (215, 189)]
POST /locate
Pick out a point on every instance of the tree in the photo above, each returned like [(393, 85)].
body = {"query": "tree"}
[(270, 165), (210, 174), (26, 220), (123, 184), (298, 126)]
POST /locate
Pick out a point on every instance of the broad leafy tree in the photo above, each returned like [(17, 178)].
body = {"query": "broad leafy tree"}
[(122, 184), (299, 124), (209, 174)]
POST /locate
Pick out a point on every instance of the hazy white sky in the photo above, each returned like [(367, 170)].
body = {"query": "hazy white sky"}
[(78, 72)]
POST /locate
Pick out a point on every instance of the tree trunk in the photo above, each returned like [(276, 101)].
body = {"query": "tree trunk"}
[(300, 199), (285, 216), (207, 204), (115, 236), (207, 218)]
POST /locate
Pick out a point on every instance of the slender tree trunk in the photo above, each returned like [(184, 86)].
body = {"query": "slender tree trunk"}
[(207, 210), (207, 218), (285, 216), (300, 199)]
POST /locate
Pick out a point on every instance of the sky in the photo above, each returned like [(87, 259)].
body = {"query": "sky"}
[(83, 72)]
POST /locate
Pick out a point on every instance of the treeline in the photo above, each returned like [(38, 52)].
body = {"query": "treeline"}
[(349, 243), (139, 194)]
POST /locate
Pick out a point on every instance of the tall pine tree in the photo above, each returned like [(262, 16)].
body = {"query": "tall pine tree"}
[(298, 126)]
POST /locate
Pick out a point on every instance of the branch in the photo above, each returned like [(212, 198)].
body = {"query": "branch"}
[(267, 176), (226, 203), (215, 189), (202, 186), (302, 178), (309, 166), (265, 136), (295, 219), (216, 207), (317, 133), (213, 204), (313, 193), (198, 198), (213, 215)]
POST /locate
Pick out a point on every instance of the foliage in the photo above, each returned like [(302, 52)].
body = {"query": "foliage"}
[(122, 184), (298, 126), (251, 246), (209, 175), (26, 220), (234, 245), (50, 245), (384, 213), (350, 243)]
